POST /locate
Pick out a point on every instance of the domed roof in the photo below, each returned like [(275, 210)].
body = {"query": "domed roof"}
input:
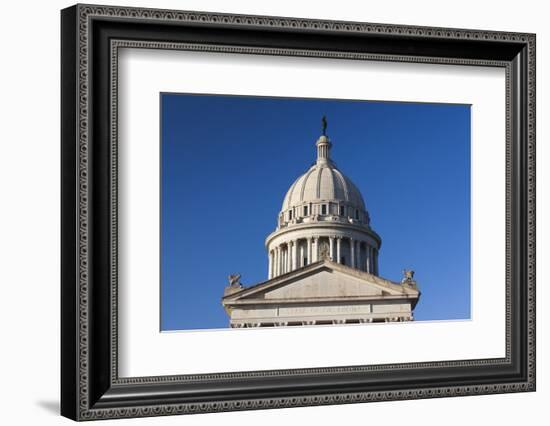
[(323, 182)]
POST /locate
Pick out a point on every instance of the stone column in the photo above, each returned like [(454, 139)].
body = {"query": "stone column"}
[(281, 260), (296, 257), (302, 255), (364, 256), (289, 261), (274, 264), (338, 244), (331, 240), (309, 250), (352, 248), (270, 265), (316, 250), (289, 256), (358, 254), (368, 259), (372, 260), (276, 261)]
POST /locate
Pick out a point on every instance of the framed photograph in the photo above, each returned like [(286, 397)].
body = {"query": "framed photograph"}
[(263, 212)]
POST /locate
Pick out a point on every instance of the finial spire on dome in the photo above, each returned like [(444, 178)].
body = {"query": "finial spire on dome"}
[(323, 145)]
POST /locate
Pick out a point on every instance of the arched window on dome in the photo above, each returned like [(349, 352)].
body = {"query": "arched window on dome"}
[(357, 214), (305, 210), (290, 215), (323, 209), (342, 211)]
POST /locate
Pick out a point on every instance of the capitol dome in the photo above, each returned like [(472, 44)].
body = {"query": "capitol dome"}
[(323, 182), (323, 191), (323, 215)]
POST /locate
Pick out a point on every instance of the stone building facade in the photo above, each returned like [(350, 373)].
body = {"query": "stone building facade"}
[(322, 260)]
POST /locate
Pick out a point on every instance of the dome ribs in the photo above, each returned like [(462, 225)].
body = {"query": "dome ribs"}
[(344, 184), (288, 199), (318, 188), (310, 171)]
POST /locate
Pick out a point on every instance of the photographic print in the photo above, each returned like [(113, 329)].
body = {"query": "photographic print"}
[(235, 186), (280, 212)]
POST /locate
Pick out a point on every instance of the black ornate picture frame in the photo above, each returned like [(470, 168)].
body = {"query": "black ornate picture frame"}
[(91, 387)]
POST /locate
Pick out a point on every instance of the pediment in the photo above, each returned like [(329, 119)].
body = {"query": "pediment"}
[(326, 280), (322, 284)]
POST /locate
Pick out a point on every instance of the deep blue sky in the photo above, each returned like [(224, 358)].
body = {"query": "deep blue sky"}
[(227, 162)]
